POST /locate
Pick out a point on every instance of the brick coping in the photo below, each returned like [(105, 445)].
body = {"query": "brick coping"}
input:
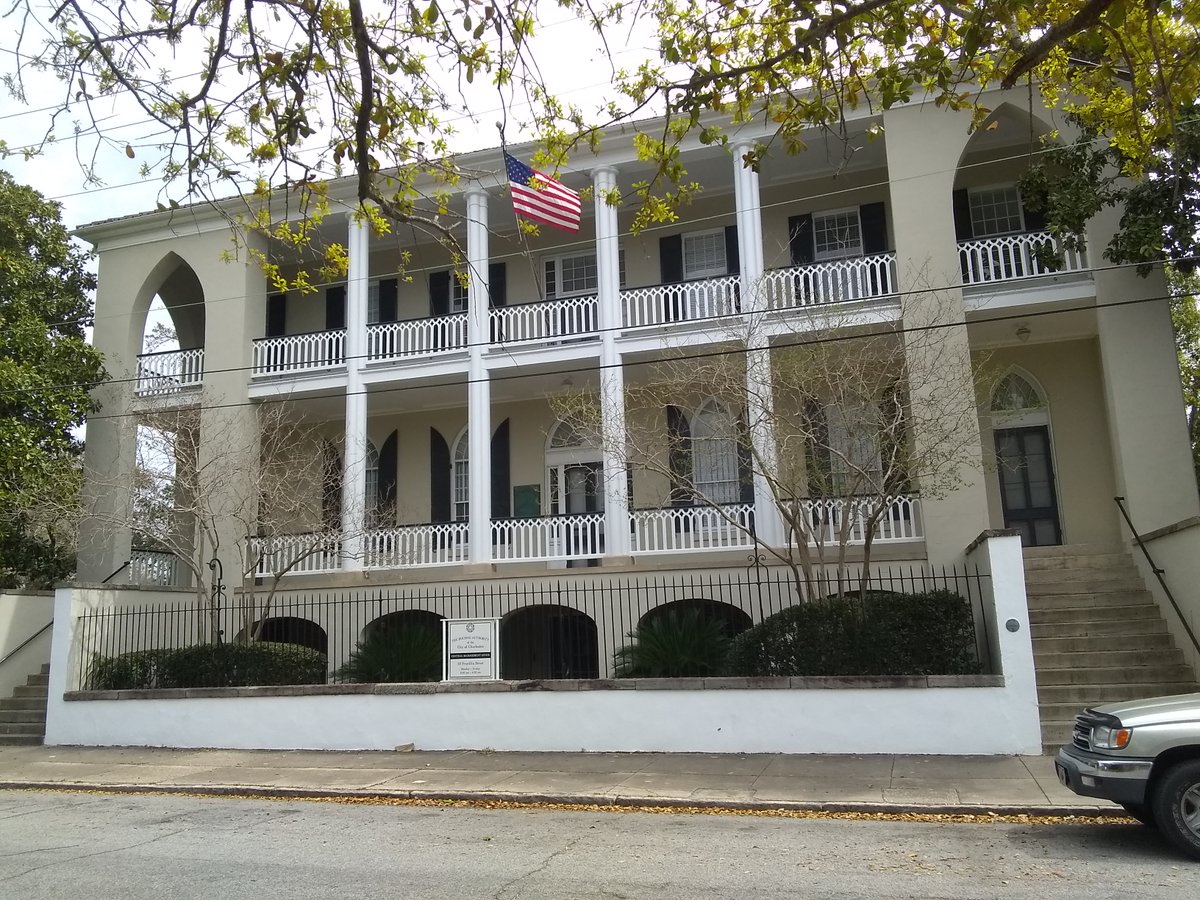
[(567, 684)]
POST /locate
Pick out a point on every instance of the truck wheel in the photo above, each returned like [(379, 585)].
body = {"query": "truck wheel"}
[(1142, 813), (1177, 806)]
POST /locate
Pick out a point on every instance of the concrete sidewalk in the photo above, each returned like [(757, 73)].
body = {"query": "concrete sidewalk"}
[(930, 784)]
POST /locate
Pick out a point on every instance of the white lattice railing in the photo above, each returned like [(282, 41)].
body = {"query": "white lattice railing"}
[(683, 302), (416, 546), (1015, 256), (899, 519), (157, 568), (295, 353), (413, 337), (299, 554), (548, 538), (683, 529), (170, 371), (550, 320), (858, 278)]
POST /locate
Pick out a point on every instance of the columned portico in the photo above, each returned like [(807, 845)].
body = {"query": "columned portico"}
[(479, 393)]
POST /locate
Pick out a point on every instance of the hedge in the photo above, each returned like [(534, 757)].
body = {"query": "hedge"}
[(884, 633), (209, 665)]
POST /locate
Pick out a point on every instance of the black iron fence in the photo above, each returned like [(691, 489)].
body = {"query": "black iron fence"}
[(566, 626)]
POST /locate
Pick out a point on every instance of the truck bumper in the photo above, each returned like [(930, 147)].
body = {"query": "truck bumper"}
[(1106, 777)]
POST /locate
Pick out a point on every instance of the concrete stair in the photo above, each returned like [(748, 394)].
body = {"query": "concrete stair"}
[(1098, 635), (23, 715)]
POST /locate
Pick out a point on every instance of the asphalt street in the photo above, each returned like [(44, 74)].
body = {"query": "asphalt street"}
[(65, 844)]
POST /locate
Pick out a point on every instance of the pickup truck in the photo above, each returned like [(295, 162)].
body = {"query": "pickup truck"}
[(1144, 755)]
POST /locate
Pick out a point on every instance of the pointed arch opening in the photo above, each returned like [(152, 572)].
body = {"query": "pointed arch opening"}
[(1025, 459)]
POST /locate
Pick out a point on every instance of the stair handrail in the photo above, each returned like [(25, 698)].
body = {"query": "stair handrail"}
[(1158, 572), (29, 640), (121, 568)]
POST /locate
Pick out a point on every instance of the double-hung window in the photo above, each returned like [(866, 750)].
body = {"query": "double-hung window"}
[(995, 211), (837, 234), (704, 254), (575, 275)]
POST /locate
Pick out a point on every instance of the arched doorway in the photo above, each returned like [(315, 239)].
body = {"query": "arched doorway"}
[(1025, 461), (539, 642), (574, 477)]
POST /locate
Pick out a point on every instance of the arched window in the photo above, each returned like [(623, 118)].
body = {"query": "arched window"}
[(461, 477), (1017, 401), (715, 454), (371, 508)]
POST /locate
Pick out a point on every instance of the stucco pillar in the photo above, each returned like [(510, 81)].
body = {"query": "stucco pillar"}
[(354, 457), (924, 145), (1142, 391), (760, 401), (612, 374), (479, 392)]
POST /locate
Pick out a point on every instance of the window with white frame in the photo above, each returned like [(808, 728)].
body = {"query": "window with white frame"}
[(461, 478), (853, 430), (576, 275), (995, 211), (371, 508), (704, 254), (372, 302), (458, 294), (715, 454), (837, 234)]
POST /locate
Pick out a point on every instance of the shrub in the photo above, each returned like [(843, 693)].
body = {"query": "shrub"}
[(396, 654), (210, 665), (883, 633), (679, 644)]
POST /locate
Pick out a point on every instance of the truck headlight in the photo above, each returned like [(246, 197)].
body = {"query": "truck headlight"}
[(1105, 737)]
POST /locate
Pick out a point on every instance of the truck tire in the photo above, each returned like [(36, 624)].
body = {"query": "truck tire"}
[(1142, 813), (1176, 805)]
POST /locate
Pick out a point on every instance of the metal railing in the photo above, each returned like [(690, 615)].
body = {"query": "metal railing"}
[(548, 538), (897, 519), (1017, 256), (416, 546), (299, 353), (836, 281), (417, 337), (549, 320), (296, 554), (1158, 573), (169, 371), (686, 529), (683, 302)]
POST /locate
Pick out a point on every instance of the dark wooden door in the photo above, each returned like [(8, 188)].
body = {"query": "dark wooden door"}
[(1027, 489)]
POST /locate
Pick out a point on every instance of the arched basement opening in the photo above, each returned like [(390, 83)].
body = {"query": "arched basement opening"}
[(294, 630), (733, 621), (540, 642)]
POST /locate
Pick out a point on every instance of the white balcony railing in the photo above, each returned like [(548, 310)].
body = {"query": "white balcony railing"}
[(898, 521), (684, 529), (416, 546), (298, 554), (548, 538), (153, 568), (1016, 256), (551, 320), (683, 302), (295, 354), (169, 372), (415, 337), (858, 278)]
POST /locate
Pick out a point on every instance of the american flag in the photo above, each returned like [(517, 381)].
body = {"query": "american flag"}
[(540, 198)]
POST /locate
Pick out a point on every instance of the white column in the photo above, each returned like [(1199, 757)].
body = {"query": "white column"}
[(760, 407), (612, 375), (354, 461), (479, 389)]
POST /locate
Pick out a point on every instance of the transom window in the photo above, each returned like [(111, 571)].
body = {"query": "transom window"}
[(837, 234), (704, 254), (714, 454), (575, 275), (995, 211)]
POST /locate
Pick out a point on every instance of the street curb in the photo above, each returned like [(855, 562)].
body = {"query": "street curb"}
[(596, 800)]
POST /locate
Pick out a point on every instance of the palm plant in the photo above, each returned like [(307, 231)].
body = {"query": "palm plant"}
[(398, 654), (678, 644)]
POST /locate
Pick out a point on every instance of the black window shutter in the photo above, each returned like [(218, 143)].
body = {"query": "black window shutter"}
[(387, 300), (439, 477), (501, 474), (497, 285), (335, 307), (745, 462), (385, 501), (679, 444), (277, 315), (872, 218), (733, 263), (1035, 219), (800, 239), (439, 293), (670, 258), (331, 487), (962, 215), (820, 461)]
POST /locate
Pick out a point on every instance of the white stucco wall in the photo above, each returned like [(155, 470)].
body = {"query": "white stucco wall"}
[(22, 615)]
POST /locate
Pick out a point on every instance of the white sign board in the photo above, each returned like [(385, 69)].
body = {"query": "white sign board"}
[(470, 649)]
